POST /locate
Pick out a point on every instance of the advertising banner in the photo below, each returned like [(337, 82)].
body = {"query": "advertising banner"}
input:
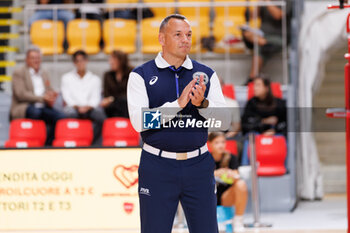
[(69, 189)]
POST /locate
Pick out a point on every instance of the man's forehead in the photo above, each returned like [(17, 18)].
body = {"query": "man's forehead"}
[(179, 25), (33, 53), (80, 57)]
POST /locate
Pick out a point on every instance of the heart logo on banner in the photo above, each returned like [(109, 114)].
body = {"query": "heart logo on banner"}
[(128, 207), (128, 176)]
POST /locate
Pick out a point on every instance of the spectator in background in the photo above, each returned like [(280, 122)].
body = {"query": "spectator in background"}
[(89, 11), (62, 15), (81, 92), (232, 104), (264, 113), (231, 190), (114, 88), (32, 95), (269, 37), (128, 13), (122, 13)]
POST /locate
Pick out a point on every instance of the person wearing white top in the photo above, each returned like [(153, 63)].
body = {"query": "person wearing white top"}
[(32, 95), (81, 92)]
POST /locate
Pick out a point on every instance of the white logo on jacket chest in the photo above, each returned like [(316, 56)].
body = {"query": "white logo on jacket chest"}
[(153, 80), (199, 75)]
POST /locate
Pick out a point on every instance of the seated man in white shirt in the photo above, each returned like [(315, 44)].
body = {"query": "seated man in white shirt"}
[(81, 92)]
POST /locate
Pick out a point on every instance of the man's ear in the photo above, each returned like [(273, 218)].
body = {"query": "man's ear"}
[(161, 38)]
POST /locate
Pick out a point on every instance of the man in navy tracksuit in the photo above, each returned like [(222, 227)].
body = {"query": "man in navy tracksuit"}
[(175, 163)]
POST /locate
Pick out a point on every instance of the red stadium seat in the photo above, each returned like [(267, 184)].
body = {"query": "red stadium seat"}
[(231, 146), (229, 91), (26, 133), (118, 132), (271, 153), (275, 87), (17, 143), (73, 133), (208, 145)]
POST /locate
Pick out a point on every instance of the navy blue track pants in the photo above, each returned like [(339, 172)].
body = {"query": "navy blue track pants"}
[(164, 182)]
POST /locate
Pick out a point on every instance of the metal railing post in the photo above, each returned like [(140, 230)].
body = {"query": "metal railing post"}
[(55, 59), (255, 186)]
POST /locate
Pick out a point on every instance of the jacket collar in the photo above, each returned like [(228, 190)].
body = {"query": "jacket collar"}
[(162, 63)]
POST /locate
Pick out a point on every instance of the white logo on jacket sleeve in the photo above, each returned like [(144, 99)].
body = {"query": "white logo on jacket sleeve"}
[(153, 80)]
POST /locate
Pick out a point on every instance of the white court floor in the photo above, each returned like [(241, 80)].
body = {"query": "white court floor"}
[(326, 216)]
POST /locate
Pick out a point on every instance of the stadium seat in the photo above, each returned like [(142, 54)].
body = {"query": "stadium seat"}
[(73, 133), (26, 133), (231, 146), (234, 14), (275, 87), (194, 12), (200, 28), (18, 143), (232, 11), (48, 35), (228, 35), (199, 18), (161, 12), (118, 132), (271, 153), (111, 9), (254, 23), (149, 35), (227, 23), (229, 91), (119, 34), (85, 35)]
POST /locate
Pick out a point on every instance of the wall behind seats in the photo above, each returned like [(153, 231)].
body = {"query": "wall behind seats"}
[(235, 71)]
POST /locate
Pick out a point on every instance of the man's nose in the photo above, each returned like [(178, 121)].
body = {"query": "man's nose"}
[(185, 39)]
